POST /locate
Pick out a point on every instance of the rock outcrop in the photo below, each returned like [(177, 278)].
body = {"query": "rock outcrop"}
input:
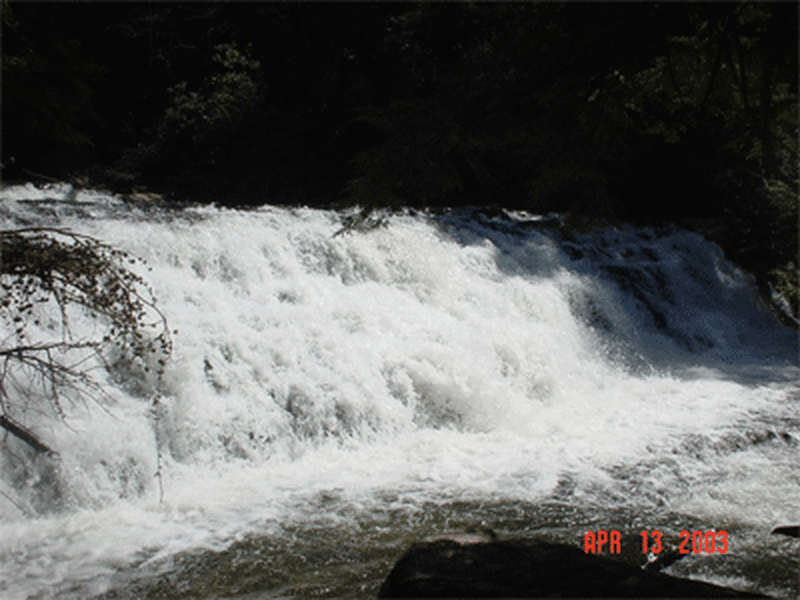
[(524, 568)]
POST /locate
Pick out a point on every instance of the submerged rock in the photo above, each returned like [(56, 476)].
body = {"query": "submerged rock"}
[(524, 568)]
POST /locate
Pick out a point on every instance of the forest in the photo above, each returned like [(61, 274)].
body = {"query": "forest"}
[(649, 113)]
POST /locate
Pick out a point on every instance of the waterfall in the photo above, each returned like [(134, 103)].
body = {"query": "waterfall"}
[(466, 355)]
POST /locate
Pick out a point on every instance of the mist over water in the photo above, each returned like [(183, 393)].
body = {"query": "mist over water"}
[(353, 382)]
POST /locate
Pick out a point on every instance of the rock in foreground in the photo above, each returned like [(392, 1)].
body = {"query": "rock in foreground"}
[(524, 569), (790, 530)]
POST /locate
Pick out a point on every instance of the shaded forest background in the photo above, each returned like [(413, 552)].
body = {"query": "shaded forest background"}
[(603, 112)]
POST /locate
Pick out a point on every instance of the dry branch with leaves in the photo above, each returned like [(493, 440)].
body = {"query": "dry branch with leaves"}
[(48, 276)]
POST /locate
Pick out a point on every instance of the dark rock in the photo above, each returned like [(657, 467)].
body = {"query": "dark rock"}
[(525, 568), (572, 250), (643, 284), (790, 530)]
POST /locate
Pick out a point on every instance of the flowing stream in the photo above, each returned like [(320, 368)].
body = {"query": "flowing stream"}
[(332, 399)]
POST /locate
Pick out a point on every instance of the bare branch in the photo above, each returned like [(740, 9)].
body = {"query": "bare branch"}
[(41, 266)]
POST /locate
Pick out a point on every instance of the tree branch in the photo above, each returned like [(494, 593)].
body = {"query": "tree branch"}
[(26, 436)]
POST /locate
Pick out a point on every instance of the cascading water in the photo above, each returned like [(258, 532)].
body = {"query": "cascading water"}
[(331, 399)]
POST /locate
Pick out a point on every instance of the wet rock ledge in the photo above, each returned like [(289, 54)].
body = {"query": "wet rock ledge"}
[(450, 568)]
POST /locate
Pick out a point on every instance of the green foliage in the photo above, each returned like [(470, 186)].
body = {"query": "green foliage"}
[(47, 272), (47, 79), (774, 221), (786, 282), (645, 113), (415, 163), (507, 99), (199, 123)]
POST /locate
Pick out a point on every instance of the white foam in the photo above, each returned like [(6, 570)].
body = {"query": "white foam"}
[(440, 358)]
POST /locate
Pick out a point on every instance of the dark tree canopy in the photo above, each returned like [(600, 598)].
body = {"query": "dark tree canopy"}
[(646, 112)]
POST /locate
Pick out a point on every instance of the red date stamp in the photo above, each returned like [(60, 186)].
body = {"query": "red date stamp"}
[(696, 542), (593, 542)]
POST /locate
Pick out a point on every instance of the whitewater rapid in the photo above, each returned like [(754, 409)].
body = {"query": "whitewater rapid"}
[(469, 356)]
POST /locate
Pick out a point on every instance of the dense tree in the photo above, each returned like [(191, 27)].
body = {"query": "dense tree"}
[(577, 99), (644, 112), (47, 84)]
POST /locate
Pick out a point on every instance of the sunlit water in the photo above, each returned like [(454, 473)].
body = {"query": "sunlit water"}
[(332, 399)]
